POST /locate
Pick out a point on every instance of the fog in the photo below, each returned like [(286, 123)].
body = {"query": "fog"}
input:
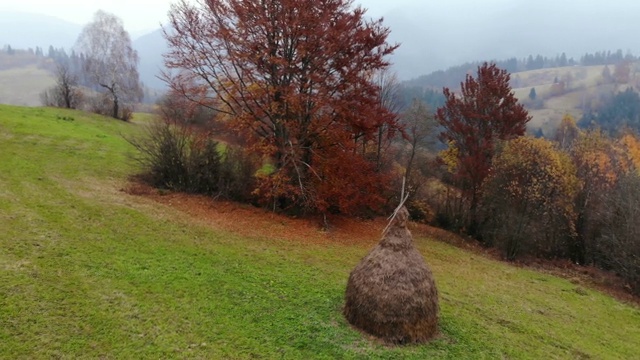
[(433, 35)]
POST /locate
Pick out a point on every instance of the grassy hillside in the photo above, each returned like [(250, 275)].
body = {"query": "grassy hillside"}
[(88, 271), (23, 85), (583, 85)]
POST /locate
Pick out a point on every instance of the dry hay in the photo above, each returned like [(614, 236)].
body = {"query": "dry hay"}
[(391, 293)]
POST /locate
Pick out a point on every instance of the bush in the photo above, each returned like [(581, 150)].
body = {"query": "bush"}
[(176, 157), (237, 170), (100, 104), (163, 155)]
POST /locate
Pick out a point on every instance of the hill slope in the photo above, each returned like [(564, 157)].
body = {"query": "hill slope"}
[(23, 85), (565, 90), (87, 270)]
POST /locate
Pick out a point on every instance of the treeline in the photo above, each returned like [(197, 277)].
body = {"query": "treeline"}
[(455, 74), (618, 112), (574, 196)]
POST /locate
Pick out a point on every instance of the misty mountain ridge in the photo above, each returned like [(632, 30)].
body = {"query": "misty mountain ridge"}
[(433, 41), (150, 48), (432, 36)]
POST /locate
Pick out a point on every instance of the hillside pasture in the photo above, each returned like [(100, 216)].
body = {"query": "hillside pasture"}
[(90, 267), (582, 83), (23, 85)]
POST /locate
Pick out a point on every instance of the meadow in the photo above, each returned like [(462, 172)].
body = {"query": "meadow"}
[(88, 270), (23, 85)]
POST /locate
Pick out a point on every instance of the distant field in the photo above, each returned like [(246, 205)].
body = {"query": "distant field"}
[(583, 82), (89, 271), (23, 85)]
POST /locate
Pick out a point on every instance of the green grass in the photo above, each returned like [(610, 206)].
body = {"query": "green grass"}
[(87, 271)]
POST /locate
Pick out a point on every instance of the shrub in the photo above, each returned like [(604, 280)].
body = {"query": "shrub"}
[(237, 171), (163, 155), (179, 158)]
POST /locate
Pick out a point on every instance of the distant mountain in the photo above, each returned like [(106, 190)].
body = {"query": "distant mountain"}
[(150, 48), (437, 35), (26, 30)]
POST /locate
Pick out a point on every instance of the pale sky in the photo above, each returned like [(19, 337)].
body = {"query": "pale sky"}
[(141, 15), (137, 15), (434, 34)]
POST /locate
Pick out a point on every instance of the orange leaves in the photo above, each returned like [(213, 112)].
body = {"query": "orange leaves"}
[(567, 132), (630, 150), (596, 160)]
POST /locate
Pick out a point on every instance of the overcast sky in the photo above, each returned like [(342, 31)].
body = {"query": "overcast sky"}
[(139, 15), (433, 34)]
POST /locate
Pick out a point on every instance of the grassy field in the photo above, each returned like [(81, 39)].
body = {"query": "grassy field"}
[(89, 271), (584, 82), (22, 86)]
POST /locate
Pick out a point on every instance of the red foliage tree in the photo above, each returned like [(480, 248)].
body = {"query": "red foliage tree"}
[(486, 111), (295, 77)]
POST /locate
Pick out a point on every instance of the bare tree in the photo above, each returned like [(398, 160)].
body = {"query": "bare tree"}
[(389, 97), (66, 92), (618, 246), (112, 63), (420, 125)]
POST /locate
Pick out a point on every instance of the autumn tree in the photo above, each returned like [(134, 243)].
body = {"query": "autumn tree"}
[(597, 164), (607, 203), (619, 241), (622, 72), (567, 132), (484, 113), (528, 199), (295, 77), (111, 62)]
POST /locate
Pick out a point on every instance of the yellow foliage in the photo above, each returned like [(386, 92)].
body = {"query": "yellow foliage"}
[(597, 159), (449, 157), (533, 170), (529, 197), (630, 150)]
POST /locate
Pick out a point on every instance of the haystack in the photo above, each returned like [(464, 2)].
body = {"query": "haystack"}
[(391, 293)]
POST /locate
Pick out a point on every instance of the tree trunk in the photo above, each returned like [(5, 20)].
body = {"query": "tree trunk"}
[(115, 107), (379, 151)]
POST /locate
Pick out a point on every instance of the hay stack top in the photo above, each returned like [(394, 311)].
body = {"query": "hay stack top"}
[(391, 293), (398, 235)]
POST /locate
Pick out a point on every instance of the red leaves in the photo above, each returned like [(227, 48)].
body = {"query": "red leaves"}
[(296, 76), (485, 112)]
